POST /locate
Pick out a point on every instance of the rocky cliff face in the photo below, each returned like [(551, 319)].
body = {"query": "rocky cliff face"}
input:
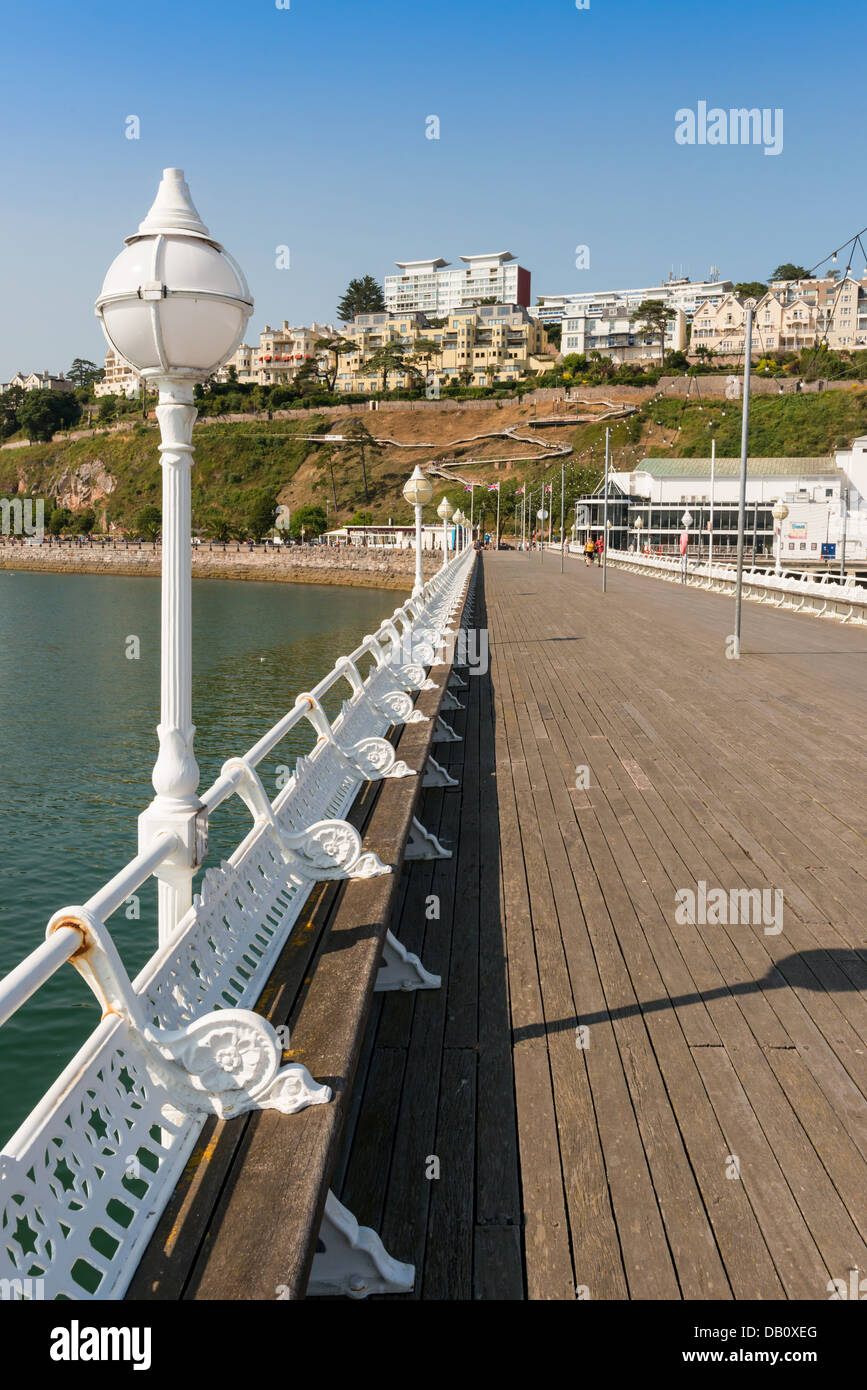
[(85, 486)]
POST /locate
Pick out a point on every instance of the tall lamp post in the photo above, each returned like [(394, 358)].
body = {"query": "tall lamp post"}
[(458, 519), (779, 512), (542, 516), (637, 525), (418, 489), (446, 511), (174, 305)]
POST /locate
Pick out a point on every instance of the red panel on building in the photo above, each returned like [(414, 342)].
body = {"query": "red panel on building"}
[(523, 287)]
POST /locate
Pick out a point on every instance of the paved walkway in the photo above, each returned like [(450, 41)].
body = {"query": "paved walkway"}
[(614, 1099)]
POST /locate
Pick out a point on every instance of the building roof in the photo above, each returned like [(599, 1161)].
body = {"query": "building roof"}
[(410, 265), (490, 256), (731, 467)]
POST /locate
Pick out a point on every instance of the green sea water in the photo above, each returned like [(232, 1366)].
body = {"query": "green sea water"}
[(78, 743)]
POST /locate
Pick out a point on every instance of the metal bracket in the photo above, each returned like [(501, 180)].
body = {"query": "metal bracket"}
[(401, 970), (435, 775), (328, 849), (224, 1063), (457, 682), (421, 844), (450, 701), (444, 733), (352, 1260)]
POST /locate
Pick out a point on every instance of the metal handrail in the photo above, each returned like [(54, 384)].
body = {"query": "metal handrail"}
[(46, 959)]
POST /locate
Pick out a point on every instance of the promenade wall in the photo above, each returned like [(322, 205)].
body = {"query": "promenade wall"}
[(290, 565)]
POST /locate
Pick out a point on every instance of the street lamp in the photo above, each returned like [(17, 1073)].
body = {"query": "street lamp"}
[(459, 519), (637, 525), (446, 511), (779, 512), (418, 489), (542, 515), (174, 305)]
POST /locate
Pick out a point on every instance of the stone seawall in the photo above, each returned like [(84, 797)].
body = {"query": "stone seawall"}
[(325, 565)]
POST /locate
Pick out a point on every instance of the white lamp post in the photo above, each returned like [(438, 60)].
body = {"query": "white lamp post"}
[(637, 525), (418, 490), (779, 512), (174, 305), (458, 519), (446, 511)]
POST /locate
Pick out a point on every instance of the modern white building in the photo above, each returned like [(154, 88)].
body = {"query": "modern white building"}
[(682, 293), (826, 497), (390, 537), (436, 287)]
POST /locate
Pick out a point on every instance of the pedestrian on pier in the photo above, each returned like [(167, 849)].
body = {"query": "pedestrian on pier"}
[(589, 551)]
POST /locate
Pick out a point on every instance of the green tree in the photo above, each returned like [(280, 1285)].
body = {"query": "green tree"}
[(217, 527), (148, 523), (312, 519), (359, 442), (43, 413), (84, 372), (10, 406), (326, 463), (362, 296), (652, 316), (361, 519), (788, 271), (85, 521), (261, 514), (390, 359), (60, 519), (750, 289), (336, 347)]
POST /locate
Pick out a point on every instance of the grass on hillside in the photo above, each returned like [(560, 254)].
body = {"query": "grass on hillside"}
[(233, 461)]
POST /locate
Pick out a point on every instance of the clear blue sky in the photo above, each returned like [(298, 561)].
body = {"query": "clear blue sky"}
[(306, 127)]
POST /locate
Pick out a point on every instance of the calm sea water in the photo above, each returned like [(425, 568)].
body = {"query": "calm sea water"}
[(78, 743)]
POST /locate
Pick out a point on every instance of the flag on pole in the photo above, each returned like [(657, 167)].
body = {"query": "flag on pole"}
[(518, 490), (548, 487), (493, 487)]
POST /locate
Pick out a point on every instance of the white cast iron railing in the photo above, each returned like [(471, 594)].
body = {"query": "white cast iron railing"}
[(85, 1177), (823, 595)]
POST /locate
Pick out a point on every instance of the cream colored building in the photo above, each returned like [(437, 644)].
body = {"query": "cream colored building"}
[(478, 344), (794, 314), (280, 354), (40, 381), (119, 378)]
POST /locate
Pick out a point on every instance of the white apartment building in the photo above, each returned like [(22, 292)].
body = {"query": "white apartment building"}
[(119, 378), (682, 293), (608, 327), (435, 287)]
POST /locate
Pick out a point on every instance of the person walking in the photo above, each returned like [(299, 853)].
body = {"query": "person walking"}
[(589, 551), (600, 546)]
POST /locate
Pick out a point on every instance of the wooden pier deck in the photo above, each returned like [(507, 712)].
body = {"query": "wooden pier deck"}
[(705, 1135)]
